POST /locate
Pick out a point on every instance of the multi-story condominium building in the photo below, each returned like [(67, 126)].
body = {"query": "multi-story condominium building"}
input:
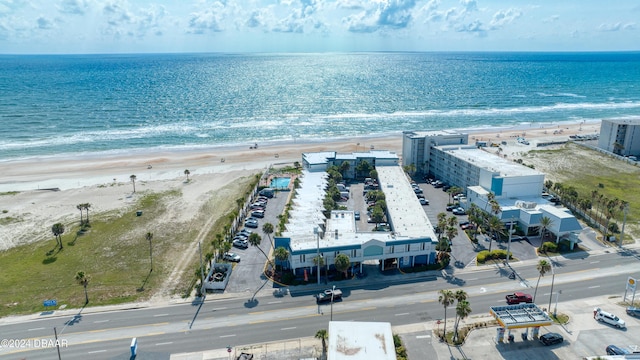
[(620, 136)]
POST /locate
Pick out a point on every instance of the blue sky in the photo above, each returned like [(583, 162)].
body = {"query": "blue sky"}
[(133, 26)]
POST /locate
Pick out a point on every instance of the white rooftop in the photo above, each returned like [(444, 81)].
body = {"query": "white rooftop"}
[(490, 161), (355, 340)]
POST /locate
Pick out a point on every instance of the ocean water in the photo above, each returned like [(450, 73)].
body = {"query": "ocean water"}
[(96, 104)]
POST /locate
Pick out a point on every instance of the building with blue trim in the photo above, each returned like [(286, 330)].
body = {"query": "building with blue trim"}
[(411, 240)]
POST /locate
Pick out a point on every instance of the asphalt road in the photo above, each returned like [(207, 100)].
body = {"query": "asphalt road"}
[(234, 321)]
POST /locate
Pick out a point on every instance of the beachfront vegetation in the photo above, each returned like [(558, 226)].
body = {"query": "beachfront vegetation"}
[(595, 186), (115, 241)]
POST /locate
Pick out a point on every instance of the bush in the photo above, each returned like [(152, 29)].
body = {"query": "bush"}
[(549, 246), (483, 256), (613, 227)]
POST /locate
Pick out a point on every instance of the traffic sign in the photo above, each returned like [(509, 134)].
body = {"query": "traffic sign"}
[(50, 302), (228, 349)]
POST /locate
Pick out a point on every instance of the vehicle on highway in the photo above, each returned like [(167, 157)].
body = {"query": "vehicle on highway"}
[(609, 318), (229, 256), (518, 297), (240, 243), (327, 295), (633, 311), (551, 339), (616, 350)]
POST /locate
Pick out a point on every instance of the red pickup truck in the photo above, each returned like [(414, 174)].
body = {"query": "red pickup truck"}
[(518, 297)]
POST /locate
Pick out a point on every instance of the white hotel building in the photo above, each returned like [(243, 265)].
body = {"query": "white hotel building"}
[(309, 234)]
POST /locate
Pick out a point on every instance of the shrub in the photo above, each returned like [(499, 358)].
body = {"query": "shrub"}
[(483, 256), (549, 246)]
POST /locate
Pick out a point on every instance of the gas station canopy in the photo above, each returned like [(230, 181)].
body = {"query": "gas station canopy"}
[(520, 316)]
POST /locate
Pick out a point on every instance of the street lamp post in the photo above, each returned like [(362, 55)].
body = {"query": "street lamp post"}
[(553, 277), (332, 291), (509, 243), (624, 222), (315, 231)]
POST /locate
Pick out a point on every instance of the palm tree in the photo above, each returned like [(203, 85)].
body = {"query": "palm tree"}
[(442, 223), (86, 207), (495, 228), (545, 223), (446, 298), (133, 181), (81, 208), (187, 172), (149, 237), (342, 263), (255, 240), (267, 228), (58, 230), (543, 267), (83, 279), (463, 309), (281, 254), (323, 335)]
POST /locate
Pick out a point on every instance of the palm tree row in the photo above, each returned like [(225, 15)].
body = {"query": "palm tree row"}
[(605, 209)]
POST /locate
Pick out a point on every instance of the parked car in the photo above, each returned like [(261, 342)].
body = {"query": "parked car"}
[(551, 338), (424, 201), (245, 232), (633, 311), (239, 243), (463, 223), (609, 318), (616, 350), (251, 223), (356, 215), (458, 211), (229, 256), (241, 236), (258, 213), (258, 205)]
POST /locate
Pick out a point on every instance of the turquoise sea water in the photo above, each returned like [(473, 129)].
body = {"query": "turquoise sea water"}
[(88, 105)]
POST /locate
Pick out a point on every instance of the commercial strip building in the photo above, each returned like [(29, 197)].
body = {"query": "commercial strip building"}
[(411, 240), (517, 188)]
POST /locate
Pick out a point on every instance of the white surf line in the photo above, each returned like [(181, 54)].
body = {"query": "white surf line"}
[(289, 328), (226, 336), (34, 329), (402, 314), (158, 315), (164, 343), (97, 351)]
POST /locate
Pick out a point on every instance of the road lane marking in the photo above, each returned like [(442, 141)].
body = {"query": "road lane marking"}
[(97, 351), (164, 343), (226, 336), (34, 329), (158, 315), (594, 262), (289, 328), (274, 302), (403, 314), (218, 309), (423, 336), (100, 321), (593, 287)]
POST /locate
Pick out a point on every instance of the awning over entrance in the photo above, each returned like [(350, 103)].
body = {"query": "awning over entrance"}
[(520, 316)]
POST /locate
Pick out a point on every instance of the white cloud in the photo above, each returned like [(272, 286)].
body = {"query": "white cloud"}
[(76, 7), (392, 14), (616, 27), (504, 17)]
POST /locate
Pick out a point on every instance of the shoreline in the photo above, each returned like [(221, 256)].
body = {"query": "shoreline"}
[(71, 171)]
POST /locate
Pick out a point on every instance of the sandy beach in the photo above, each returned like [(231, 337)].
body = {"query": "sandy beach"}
[(48, 189)]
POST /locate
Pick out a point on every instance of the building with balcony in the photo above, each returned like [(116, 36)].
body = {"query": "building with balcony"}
[(620, 136)]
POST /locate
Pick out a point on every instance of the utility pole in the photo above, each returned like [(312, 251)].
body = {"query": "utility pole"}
[(55, 332), (332, 291)]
